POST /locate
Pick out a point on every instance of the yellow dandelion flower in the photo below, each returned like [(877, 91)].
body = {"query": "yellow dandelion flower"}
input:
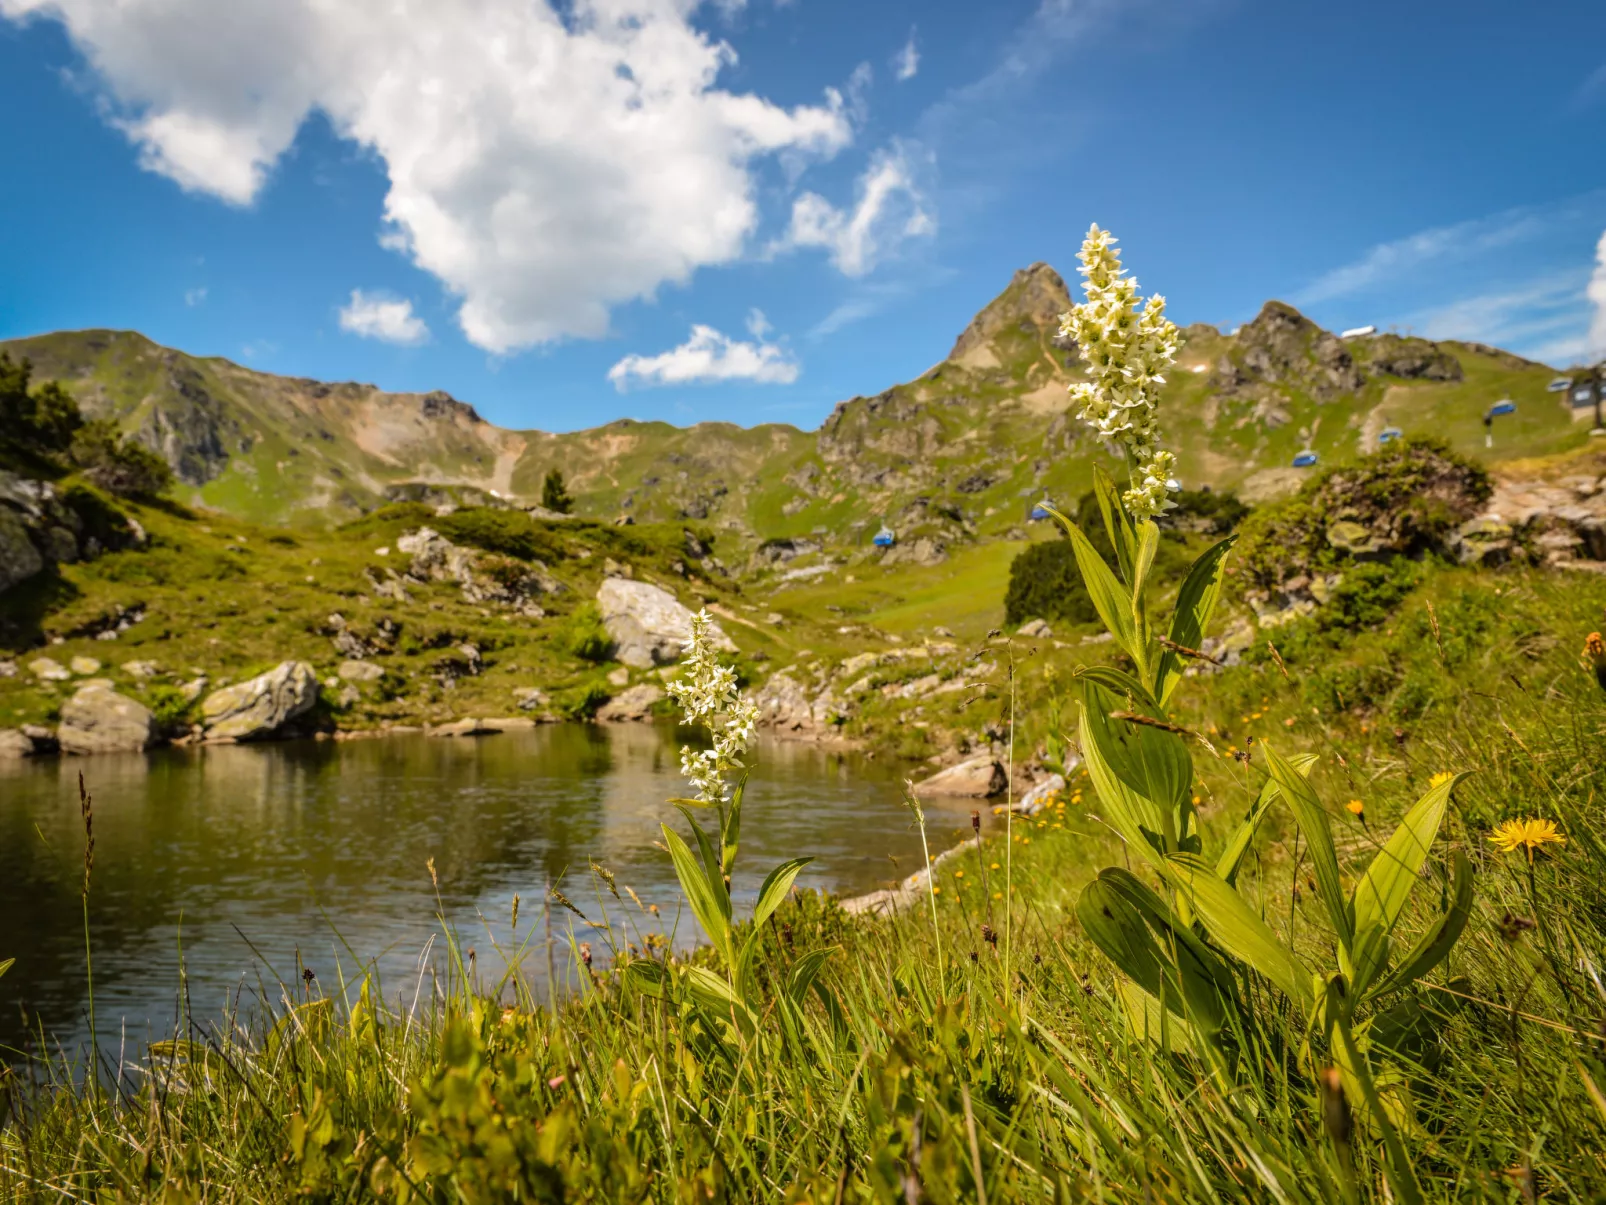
[(1528, 835), (994, 866), (998, 895), (959, 874), (1197, 799), (1355, 807), (1439, 779), (936, 891)]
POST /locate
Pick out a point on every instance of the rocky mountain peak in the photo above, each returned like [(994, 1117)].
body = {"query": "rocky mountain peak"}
[(1280, 346), (1031, 304)]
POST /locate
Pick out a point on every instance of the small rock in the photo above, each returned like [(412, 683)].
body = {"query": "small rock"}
[(141, 669), (360, 671), (943, 632), (634, 704), (47, 669), (8, 669), (14, 743), (975, 778), (85, 667), (619, 677), (193, 689), (466, 727), (1035, 629), (382, 551), (1036, 799), (648, 625), (530, 698), (99, 720)]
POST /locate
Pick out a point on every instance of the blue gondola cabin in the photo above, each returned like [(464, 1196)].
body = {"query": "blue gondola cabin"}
[(1388, 435), (885, 538), (1305, 459), (1504, 406), (1040, 510)]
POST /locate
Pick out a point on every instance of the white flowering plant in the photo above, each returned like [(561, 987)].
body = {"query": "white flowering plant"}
[(1185, 949), (709, 697), (1127, 349)]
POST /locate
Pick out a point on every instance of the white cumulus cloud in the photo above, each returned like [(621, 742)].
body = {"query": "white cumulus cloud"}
[(709, 356), (1596, 345), (889, 209), (546, 160), (906, 62), (388, 319)]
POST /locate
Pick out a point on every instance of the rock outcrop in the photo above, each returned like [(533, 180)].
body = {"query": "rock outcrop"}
[(632, 705), (647, 624), (974, 778), (484, 578), (99, 720), (262, 706), (40, 526), (791, 709), (1558, 523), (15, 743)]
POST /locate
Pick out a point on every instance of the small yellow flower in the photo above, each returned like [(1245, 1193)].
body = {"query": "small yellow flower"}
[(994, 866), (1355, 807), (1439, 779), (998, 895), (1529, 835), (959, 874)]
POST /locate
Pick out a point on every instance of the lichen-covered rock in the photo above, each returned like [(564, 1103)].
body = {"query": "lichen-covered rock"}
[(484, 577), (630, 705), (48, 669), (99, 720), (360, 671), (975, 778), (14, 744), (788, 706), (647, 624), (260, 707), (19, 558), (1038, 798)]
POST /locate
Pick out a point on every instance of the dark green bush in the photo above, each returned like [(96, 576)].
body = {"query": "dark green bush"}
[(510, 532), (581, 702), (101, 519), (117, 464), (1044, 583)]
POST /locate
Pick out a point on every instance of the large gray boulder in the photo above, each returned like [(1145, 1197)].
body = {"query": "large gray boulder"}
[(15, 743), (977, 778), (647, 624), (260, 707), (99, 720), (634, 704), (790, 708)]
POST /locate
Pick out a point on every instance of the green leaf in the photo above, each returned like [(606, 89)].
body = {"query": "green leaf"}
[(704, 905), (1317, 829), (1236, 928), (6, 965), (805, 971), (1117, 928), (731, 827), (1148, 543), (776, 884), (1231, 859), (648, 977), (1196, 602), (712, 992), (1142, 774), (713, 867), (1117, 523), (1381, 894), (1436, 943), (1110, 598), (1117, 681)]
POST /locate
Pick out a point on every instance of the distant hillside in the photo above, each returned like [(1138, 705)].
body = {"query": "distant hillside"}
[(958, 453)]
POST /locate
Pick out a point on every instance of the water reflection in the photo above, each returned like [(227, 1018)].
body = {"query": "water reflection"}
[(318, 851)]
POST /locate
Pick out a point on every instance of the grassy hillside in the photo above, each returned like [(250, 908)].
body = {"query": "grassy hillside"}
[(958, 454)]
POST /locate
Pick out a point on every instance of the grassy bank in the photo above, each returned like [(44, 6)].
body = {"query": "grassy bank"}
[(975, 1047)]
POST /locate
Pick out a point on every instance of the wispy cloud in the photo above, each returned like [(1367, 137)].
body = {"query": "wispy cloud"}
[(1387, 263), (906, 63), (1596, 344), (891, 207), (194, 297), (709, 356), (388, 319), (1545, 318)]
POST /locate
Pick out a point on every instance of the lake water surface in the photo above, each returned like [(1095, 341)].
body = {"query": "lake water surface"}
[(316, 855)]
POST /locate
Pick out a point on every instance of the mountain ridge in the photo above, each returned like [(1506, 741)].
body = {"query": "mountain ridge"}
[(952, 454)]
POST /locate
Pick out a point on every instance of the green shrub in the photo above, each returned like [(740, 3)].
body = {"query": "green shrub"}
[(117, 464), (581, 702), (554, 494), (584, 635), (101, 519), (512, 533), (1044, 583), (169, 706), (1206, 511)]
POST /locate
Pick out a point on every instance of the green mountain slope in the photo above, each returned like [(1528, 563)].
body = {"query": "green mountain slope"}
[(959, 453)]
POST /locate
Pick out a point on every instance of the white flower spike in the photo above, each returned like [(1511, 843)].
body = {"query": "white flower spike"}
[(1127, 352), (707, 694)]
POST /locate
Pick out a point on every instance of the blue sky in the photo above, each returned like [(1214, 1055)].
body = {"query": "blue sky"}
[(751, 211)]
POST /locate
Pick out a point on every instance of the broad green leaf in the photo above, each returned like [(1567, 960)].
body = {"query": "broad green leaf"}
[(1166, 1027), (713, 867), (778, 882), (1196, 602), (1231, 859), (1436, 943), (648, 977), (1110, 598), (1314, 824), (1138, 768), (1116, 928), (805, 971), (6, 965), (1381, 894), (1236, 928), (710, 991), (1118, 682), (1148, 533), (694, 883), (1117, 523), (1195, 974)]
